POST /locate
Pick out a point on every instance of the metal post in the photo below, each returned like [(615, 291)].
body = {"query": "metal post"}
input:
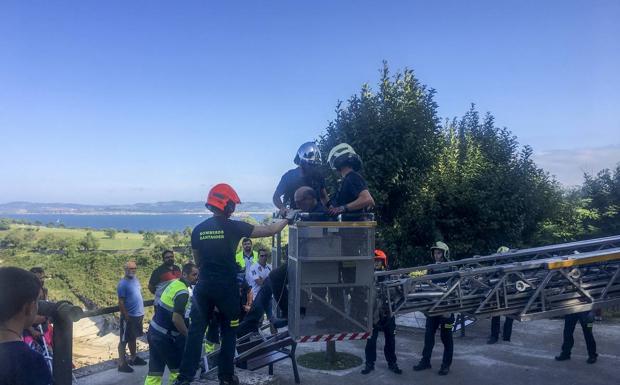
[(63, 319)]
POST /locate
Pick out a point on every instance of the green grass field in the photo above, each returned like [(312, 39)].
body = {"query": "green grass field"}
[(122, 241)]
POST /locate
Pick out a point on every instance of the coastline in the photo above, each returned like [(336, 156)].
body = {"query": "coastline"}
[(206, 213)]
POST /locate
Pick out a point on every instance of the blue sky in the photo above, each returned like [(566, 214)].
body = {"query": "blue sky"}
[(126, 101)]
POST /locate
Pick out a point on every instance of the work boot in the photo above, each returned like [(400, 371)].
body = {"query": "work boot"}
[(506, 339), (229, 380), (492, 340), (181, 382), (422, 365), (592, 359), (562, 357), (394, 367), (369, 368), (443, 370), (124, 368), (137, 361)]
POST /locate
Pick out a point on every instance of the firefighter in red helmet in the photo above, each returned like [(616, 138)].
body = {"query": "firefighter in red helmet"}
[(387, 325), (214, 243)]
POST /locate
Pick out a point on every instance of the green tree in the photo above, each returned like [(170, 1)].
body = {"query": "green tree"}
[(396, 131), (485, 190), (602, 194), (149, 238), (47, 242), (89, 242), (175, 239), (468, 182), (110, 233), (4, 224), (18, 239)]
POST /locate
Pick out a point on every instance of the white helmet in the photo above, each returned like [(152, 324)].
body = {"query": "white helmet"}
[(344, 155)]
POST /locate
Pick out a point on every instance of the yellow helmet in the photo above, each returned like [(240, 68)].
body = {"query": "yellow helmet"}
[(441, 246), (502, 250)]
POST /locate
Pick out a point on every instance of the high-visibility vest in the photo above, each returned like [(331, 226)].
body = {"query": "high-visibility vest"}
[(162, 320), (241, 260)]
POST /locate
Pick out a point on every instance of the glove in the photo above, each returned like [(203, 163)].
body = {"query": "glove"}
[(282, 213), (337, 210), (291, 214)]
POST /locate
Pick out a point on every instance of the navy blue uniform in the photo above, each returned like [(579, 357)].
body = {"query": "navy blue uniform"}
[(216, 241), (387, 325), (350, 188), (586, 320), (495, 326), (444, 324), (292, 180)]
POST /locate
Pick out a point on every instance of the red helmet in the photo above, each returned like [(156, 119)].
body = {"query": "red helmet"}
[(223, 197), (381, 256)]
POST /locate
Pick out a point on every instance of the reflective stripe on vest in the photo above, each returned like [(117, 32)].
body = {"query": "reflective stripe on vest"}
[(241, 260), (165, 305), (162, 329)]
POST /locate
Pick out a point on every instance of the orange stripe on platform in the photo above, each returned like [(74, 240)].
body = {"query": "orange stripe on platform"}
[(583, 261)]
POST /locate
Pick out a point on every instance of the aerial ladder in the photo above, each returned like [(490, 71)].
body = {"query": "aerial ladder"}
[(335, 295), (528, 284)]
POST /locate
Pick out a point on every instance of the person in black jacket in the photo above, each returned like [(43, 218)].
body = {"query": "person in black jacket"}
[(214, 243), (19, 365), (496, 321), (387, 325), (445, 323), (353, 195)]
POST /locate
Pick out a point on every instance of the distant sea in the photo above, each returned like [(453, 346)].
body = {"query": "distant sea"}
[(134, 223)]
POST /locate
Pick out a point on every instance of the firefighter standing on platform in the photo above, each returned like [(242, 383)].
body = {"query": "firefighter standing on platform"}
[(353, 195), (307, 173), (168, 328), (440, 253), (214, 243), (387, 325)]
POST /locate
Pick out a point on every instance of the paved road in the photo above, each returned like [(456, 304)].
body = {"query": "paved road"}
[(527, 360)]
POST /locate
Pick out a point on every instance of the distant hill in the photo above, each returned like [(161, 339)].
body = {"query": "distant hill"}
[(170, 207)]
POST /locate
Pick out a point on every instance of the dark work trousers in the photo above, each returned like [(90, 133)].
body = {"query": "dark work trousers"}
[(223, 294), (388, 327), (164, 350), (210, 293), (253, 319), (570, 321), (507, 332), (445, 325), (213, 331), (279, 279), (193, 344)]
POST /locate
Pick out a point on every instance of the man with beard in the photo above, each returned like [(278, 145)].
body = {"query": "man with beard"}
[(131, 307), (165, 273)]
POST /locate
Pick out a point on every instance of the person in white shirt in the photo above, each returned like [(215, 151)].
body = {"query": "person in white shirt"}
[(259, 271)]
